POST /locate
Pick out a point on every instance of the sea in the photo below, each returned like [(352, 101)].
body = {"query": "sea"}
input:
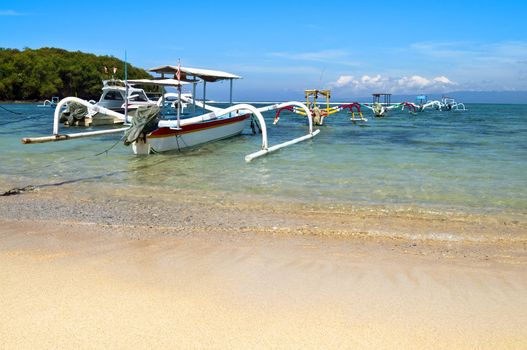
[(473, 161)]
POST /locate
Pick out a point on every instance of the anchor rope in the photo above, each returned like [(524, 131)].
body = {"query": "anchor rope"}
[(20, 120), (28, 188), (10, 111)]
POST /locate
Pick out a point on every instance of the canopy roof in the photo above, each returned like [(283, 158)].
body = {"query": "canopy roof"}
[(326, 93), (205, 74), (163, 82)]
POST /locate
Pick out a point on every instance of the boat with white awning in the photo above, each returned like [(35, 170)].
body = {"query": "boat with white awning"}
[(150, 132)]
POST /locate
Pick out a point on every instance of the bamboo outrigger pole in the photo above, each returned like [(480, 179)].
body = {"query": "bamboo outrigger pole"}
[(65, 137), (58, 137)]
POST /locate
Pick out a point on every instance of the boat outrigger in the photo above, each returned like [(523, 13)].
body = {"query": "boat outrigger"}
[(149, 132), (446, 104), (319, 114), (450, 104), (381, 104), (50, 103)]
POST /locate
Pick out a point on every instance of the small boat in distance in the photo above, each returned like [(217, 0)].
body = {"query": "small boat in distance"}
[(381, 104), (50, 103), (450, 104)]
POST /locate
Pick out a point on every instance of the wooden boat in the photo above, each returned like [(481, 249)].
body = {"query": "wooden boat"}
[(147, 134), (166, 138)]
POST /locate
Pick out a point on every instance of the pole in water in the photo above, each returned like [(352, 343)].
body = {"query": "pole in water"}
[(230, 94), (178, 73), (126, 88)]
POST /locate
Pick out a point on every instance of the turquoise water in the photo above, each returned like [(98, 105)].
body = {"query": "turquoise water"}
[(474, 160)]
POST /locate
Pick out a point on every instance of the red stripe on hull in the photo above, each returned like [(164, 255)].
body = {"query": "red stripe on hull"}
[(167, 132)]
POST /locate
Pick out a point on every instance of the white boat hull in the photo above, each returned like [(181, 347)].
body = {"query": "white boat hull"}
[(167, 139)]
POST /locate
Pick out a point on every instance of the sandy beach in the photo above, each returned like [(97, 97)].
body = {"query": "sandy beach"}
[(117, 268)]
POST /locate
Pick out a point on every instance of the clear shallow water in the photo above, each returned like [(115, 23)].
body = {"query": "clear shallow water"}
[(474, 160)]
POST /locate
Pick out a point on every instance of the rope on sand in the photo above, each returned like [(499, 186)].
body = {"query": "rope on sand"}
[(18, 190)]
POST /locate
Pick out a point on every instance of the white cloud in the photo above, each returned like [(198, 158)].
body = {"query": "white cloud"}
[(411, 84), (443, 80), (344, 80)]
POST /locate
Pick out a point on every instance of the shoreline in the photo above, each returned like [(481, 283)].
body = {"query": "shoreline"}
[(91, 266), (113, 203)]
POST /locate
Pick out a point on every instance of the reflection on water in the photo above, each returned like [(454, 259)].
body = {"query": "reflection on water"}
[(476, 160)]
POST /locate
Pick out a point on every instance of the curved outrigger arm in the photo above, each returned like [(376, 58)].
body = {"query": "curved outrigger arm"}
[(244, 108), (412, 107), (351, 106), (266, 149), (56, 118), (434, 103), (287, 105), (95, 108)]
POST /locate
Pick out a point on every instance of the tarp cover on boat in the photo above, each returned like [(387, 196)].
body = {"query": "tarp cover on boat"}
[(75, 112), (144, 122)]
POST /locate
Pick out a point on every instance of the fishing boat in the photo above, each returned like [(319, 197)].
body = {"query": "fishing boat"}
[(450, 104), (319, 111), (446, 104), (50, 103), (149, 132), (381, 104)]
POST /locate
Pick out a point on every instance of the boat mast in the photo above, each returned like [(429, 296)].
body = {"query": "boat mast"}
[(194, 97)]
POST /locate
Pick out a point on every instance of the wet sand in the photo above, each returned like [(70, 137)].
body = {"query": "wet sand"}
[(114, 268)]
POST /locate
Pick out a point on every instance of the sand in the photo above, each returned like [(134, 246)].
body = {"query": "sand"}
[(81, 269)]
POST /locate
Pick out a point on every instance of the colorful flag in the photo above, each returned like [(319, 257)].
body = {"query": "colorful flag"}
[(114, 70), (178, 72)]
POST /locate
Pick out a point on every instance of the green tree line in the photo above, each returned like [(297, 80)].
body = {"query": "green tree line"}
[(42, 73)]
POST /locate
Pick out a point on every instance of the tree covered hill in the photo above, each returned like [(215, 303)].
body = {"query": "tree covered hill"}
[(42, 73)]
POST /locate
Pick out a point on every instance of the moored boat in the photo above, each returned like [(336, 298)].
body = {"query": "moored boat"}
[(148, 131)]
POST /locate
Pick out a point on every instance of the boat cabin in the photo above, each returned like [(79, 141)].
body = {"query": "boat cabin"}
[(114, 94)]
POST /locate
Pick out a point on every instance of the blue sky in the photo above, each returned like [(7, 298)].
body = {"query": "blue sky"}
[(281, 48)]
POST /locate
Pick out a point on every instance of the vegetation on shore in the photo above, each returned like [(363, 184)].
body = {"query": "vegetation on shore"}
[(42, 73)]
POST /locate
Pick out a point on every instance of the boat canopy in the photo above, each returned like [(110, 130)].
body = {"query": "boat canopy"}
[(204, 74), (326, 93), (162, 82)]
